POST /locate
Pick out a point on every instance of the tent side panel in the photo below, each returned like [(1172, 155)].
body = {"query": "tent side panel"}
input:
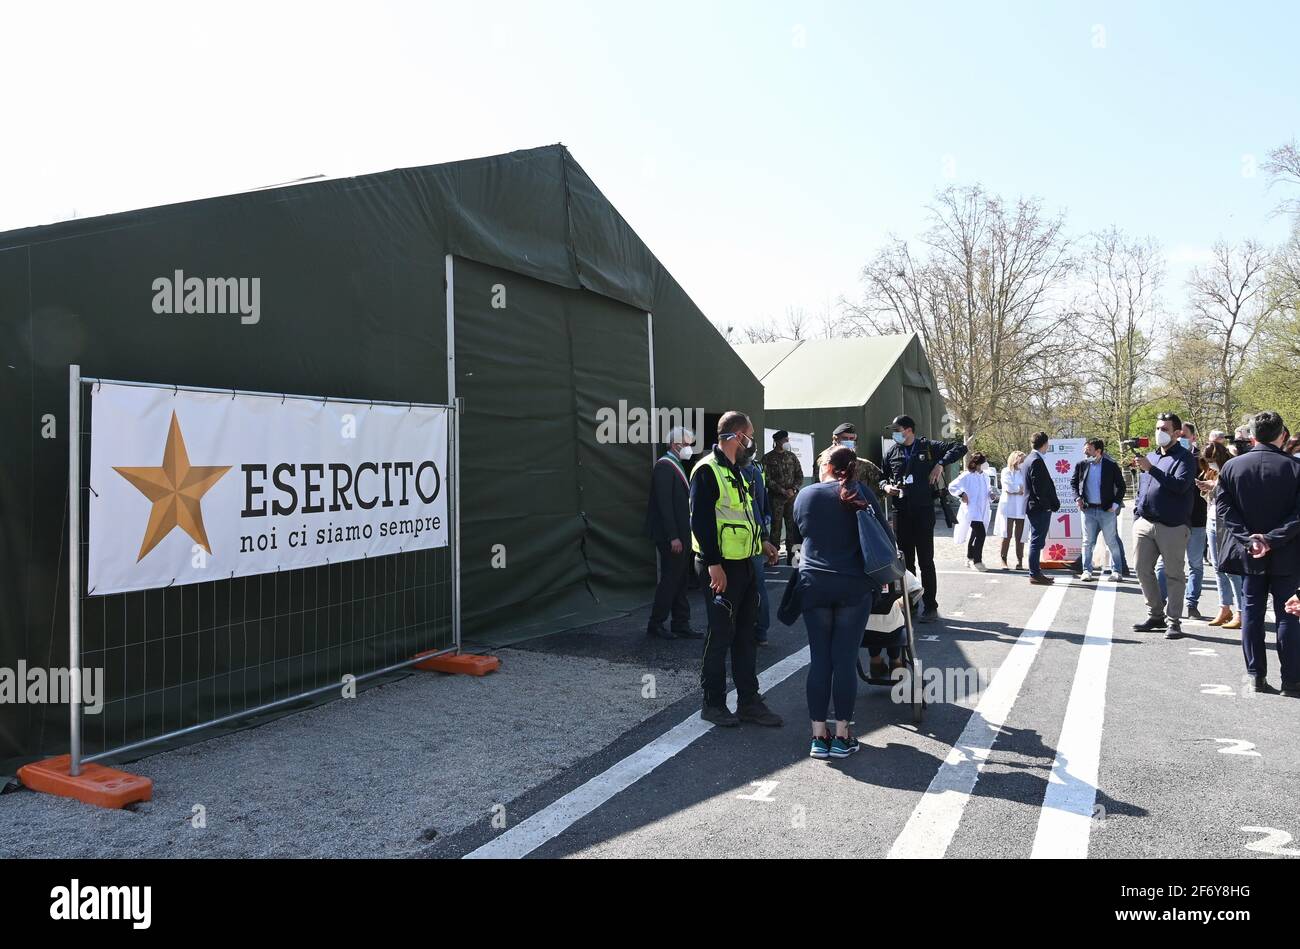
[(553, 503), (349, 303), (21, 428)]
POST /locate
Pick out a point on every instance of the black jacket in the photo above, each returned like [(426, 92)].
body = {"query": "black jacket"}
[(668, 513), (918, 461), (1259, 493), (1113, 488), (1040, 489)]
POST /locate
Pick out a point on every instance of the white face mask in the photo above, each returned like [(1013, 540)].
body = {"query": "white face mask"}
[(685, 452), (1214, 466), (1163, 439)]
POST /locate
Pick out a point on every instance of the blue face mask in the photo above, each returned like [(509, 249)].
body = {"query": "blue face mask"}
[(899, 438), (851, 445), (1186, 443)]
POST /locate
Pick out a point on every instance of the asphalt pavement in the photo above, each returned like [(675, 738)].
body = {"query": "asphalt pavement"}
[(1081, 738)]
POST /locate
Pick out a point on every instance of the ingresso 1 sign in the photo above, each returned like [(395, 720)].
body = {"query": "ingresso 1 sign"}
[(189, 485)]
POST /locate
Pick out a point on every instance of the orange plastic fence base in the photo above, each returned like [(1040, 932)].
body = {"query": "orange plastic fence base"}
[(103, 787), (461, 664)]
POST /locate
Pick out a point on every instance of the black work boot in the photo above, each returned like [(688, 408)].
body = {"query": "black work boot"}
[(719, 715), (759, 714)]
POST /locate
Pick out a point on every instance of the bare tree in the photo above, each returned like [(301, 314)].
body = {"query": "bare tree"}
[(795, 325), (1117, 324), (982, 291), (1283, 166), (1231, 305)]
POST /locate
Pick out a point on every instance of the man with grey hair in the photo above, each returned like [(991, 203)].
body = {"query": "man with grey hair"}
[(668, 523)]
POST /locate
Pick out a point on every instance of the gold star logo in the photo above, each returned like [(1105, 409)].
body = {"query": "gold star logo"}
[(175, 489)]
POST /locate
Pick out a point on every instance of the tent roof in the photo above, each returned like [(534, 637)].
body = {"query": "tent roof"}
[(823, 373)]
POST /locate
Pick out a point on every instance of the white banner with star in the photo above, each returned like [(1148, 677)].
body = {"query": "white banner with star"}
[(189, 486)]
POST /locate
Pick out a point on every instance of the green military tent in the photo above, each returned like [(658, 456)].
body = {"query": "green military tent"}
[(560, 313), (812, 386)]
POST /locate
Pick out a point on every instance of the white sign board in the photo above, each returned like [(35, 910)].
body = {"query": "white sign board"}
[(800, 444), (193, 486), (1065, 539)]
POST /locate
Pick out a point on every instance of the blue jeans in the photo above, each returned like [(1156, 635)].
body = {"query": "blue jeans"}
[(835, 615), (1040, 522), (1259, 589), (1230, 584), (1097, 521), (1195, 567), (764, 608)]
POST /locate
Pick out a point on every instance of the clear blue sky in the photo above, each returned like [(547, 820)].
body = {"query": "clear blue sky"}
[(763, 150)]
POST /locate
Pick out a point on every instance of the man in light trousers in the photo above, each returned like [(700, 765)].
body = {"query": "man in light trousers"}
[(1164, 513)]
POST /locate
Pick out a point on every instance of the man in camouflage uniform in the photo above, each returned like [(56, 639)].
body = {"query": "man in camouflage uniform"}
[(864, 471), (784, 479)]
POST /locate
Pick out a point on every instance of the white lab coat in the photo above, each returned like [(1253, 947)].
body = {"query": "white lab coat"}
[(1012, 506), (977, 506)]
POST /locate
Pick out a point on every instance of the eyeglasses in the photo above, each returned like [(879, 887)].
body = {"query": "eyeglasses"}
[(1166, 417)]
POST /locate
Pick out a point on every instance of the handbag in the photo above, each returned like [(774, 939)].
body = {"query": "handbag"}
[(791, 600), (879, 549)]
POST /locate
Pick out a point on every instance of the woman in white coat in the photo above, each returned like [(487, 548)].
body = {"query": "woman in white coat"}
[(976, 507), (1011, 509)]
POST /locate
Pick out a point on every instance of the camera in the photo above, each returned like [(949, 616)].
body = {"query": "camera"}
[(1136, 444)]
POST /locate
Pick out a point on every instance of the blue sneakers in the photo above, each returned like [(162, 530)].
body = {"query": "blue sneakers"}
[(821, 747), (843, 747)]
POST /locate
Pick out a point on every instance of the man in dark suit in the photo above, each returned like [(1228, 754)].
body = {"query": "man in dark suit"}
[(1098, 483), (668, 523), (1258, 511), (1041, 503)]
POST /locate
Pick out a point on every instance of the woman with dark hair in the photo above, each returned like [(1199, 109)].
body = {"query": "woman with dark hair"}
[(972, 487), (1231, 592), (1292, 447), (836, 594)]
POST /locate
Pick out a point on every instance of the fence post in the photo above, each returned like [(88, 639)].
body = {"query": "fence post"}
[(453, 448), (74, 569)]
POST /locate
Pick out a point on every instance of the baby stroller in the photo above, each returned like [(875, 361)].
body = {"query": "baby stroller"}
[(890, 627)]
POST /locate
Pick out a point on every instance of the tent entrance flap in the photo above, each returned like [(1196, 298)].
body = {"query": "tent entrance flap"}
[(539, 367)]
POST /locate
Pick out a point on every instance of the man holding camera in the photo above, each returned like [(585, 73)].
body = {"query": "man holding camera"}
[(913, 467), (1166, 491)]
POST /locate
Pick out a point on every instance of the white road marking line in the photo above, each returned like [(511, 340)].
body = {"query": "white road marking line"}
[(563, 813), (1065, 821), (934, 820)]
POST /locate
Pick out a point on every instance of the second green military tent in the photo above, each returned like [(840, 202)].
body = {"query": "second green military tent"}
[(812, 386)]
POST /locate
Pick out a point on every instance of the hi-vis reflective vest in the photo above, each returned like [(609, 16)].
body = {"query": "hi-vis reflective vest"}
[(738, 536)]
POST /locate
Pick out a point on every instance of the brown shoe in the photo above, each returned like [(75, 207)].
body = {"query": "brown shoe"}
[(1041, 581), (1225, 614), (1234, 624)]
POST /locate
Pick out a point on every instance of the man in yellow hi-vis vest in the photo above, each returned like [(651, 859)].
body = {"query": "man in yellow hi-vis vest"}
[(726, 536)]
